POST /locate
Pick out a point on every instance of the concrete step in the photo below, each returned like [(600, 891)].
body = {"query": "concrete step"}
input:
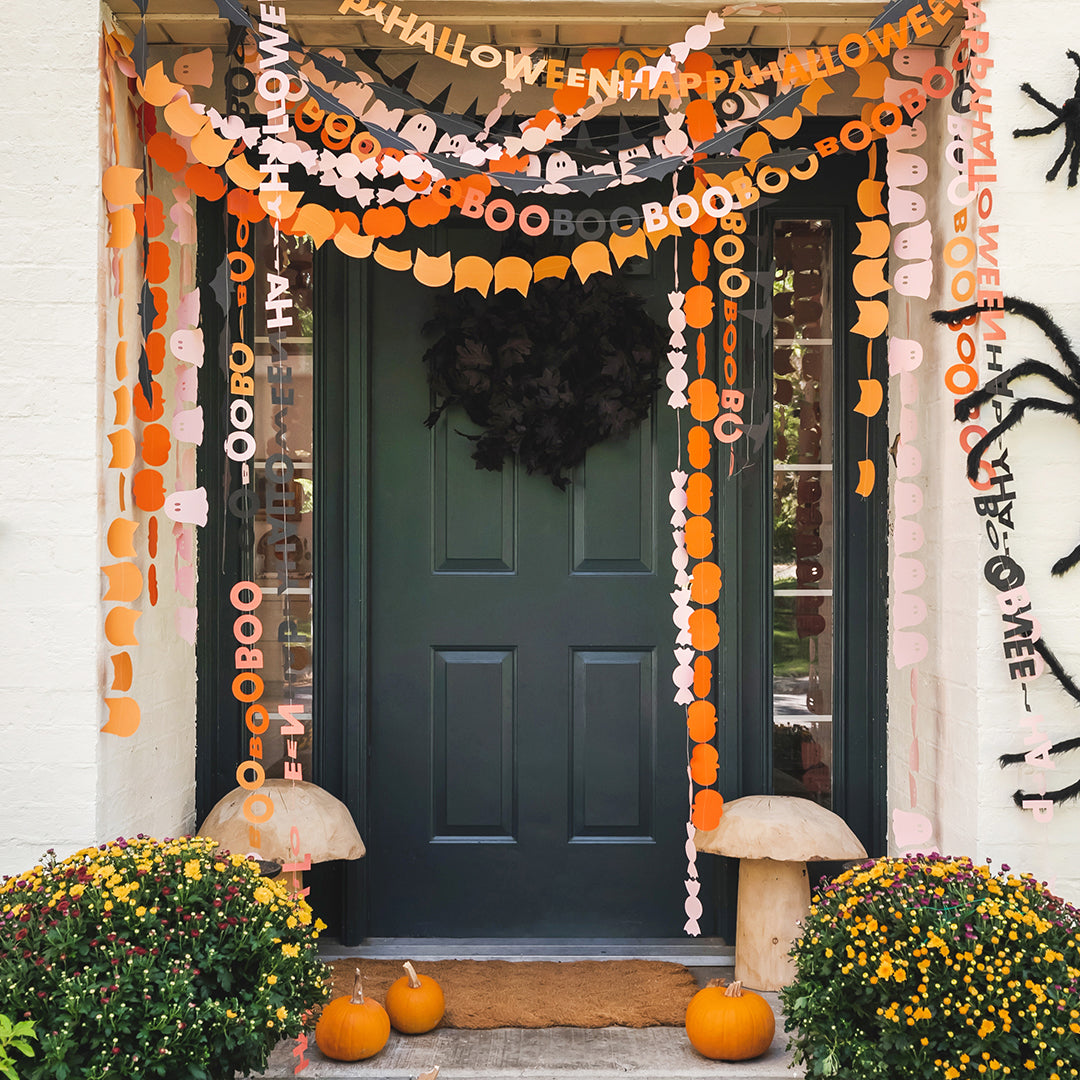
[(544, 1054)]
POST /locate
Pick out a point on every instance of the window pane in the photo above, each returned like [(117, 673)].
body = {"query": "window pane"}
[(803, 510), (282, 537)]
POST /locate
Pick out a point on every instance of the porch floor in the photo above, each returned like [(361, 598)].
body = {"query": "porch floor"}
[(546, 1053)]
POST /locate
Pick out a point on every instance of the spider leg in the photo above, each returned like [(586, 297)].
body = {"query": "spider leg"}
[(1057, 748), (1019, 132), (1036, 96), (1012, 418), (977, 398), (1059, 673), (1052, 174), (1033, 313), (1076, 60), (1074, 163), (1059, 796)]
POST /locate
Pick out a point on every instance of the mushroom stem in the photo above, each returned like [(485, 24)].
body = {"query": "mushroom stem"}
[(773, 897), (414, 981), (357, 990)]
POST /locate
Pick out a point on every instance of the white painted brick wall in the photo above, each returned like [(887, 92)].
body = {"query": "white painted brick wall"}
[(969, 710), (62, 783)]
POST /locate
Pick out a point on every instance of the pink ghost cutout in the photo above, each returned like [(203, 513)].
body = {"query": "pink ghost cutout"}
[(914, 242), (908, 536), (909, 647), (187, 383), (187, 345), (905, 170), (908, 574), (187, 623), (191, 507), (905, 206), (187, 311), (910, 828), (905, 354), (915, 279), (187, 426)]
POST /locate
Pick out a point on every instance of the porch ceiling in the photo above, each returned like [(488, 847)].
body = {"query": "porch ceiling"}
[(546, 23)]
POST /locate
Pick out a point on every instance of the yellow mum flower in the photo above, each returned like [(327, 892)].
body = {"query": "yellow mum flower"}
[(290, 950), (193, 870), (262, 894), (271, 979), (281, 1012)]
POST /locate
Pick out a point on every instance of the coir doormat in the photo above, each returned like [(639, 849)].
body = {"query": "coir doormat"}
[(505, 993)]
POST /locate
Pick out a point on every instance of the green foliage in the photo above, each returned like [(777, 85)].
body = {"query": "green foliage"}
[(14, 1036), (548, 375), (935, 967), (147, 958)]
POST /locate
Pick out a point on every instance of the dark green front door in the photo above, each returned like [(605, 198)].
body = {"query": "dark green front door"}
[(527, 764)]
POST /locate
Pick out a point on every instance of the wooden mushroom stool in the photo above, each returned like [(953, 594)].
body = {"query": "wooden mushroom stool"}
[(774, 837), (323, 823)]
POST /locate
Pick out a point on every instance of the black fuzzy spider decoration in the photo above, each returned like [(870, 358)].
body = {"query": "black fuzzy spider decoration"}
[(1069, 385), (1069, 115)]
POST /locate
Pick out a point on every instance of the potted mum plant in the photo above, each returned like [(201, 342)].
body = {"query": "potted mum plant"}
[(155, 958), (936, 967)]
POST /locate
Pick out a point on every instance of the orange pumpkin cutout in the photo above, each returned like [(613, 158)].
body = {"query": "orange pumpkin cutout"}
[(148, 490), (415, 1003), (702, 676), (156, 444), (700, 264), (698, 304), (704, 630), (701, 721), (708, 809), (705, 583), (698, 493), (699, 447), (703, 764), (352, 1028), (698, 536), (704, 400), (729, 1024)]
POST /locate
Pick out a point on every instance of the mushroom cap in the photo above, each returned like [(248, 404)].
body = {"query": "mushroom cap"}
[(780, 827), (324, 823)]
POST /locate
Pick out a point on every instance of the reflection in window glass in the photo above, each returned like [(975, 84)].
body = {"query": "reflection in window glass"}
[(282, 539), (803, 510)]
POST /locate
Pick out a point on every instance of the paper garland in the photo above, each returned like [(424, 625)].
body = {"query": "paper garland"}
[(434, 165)]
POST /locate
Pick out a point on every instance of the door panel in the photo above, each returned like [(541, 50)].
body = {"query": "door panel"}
[(527, 771)]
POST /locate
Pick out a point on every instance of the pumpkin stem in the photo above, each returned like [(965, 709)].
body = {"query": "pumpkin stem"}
[(414, 979), (357, 990), (734, 990)]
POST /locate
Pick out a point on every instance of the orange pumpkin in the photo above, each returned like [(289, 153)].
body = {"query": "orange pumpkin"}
[(729, 1023), (352, 1028), (415, 1002)]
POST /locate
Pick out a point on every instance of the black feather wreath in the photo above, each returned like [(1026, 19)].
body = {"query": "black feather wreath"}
[(548, 375)]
